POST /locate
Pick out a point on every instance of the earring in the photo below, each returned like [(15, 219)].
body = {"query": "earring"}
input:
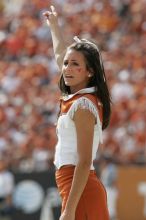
[(89, 75)]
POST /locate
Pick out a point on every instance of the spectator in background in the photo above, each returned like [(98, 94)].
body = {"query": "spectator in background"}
[(6, 190), (109, 177)]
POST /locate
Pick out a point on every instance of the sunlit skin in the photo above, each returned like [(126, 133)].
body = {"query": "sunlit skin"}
[(76, 77), (74, 70)]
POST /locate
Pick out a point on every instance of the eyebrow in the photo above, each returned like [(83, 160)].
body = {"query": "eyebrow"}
[(71, 60)]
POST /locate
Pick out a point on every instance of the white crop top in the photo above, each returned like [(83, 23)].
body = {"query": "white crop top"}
[(66, 148)]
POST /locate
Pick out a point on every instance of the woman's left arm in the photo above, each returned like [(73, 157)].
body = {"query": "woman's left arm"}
[(85, 134)]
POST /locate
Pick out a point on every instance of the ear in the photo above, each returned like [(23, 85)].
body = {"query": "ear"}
[(90, 72), (90, 75)]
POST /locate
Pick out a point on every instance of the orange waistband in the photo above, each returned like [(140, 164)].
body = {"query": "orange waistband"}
[(69, 168)]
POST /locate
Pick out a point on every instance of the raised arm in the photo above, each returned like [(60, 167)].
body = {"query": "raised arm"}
[(59, 44)]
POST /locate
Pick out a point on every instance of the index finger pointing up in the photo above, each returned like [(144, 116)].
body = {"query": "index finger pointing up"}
[(53, 9)]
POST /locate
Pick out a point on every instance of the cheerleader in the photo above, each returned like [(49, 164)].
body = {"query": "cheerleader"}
[(84, 113)]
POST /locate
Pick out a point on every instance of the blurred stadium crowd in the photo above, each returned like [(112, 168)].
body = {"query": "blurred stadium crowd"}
[(28, 77)]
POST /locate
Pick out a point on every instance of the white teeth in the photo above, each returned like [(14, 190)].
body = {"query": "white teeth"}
[(68, 76)]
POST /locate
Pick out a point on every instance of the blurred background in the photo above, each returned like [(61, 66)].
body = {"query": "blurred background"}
[(29, 104)]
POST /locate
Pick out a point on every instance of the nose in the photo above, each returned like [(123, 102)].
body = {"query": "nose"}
[(68, 68)]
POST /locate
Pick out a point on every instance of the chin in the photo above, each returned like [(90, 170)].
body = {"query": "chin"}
[(68, 84)]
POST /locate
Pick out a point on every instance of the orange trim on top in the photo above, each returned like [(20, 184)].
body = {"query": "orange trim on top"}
[(66, 104)]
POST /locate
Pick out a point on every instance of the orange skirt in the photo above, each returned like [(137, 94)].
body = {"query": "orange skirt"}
[(93, 202)]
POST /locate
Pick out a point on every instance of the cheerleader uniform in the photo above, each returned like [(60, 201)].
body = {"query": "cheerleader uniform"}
[(93, 202)]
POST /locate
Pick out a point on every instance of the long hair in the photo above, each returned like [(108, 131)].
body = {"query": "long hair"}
[(95, 65)]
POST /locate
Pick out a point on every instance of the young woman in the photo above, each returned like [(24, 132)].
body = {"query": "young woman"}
[(84, 113)]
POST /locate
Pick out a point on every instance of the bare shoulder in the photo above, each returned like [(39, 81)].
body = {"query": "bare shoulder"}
[(84, 117)]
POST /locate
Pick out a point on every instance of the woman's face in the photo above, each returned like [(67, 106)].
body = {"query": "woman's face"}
[(74, 70)]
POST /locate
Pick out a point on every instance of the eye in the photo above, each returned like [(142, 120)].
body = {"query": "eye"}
[(65, 63), (75, 63)]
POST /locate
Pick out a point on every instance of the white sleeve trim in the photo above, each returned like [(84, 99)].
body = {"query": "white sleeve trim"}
[(85, 103)]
